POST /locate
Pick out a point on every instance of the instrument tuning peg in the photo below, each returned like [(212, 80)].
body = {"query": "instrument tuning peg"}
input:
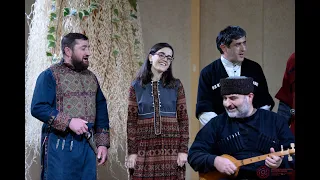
[(292, 145)]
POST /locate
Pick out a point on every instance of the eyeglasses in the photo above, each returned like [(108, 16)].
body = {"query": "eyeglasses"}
[(162, 56)]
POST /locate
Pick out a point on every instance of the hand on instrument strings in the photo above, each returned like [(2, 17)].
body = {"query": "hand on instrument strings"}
[(182, 159), (273, 161), (224, 165), (79, 126), (131, 161), (102, 155)]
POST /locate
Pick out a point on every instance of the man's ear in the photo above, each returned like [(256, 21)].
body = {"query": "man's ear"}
[(251, 95), (68, 51), (223, 47)]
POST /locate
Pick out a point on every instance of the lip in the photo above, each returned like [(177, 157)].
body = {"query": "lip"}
[(165, 64), (232, 110)]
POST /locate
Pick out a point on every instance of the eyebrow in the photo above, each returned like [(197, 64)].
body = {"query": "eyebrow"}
[(85, 45), (164, 53)]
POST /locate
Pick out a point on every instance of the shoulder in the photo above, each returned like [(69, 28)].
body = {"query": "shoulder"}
[(178, 82), (270, 115), (135, 83), (291, 61), (267, 112), (211, 67), (178, 85), (46, 73), (56, 65), (292, 58), (89, 72), (219, 120), (250, 62)]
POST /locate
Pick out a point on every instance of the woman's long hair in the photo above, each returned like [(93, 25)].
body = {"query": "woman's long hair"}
[(144, 75)]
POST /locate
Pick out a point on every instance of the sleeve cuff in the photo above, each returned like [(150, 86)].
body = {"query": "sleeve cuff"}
[(60, 122), (102, 137)]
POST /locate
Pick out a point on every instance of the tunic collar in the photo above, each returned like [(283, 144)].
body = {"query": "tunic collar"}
[(227, 63), (246, 119)]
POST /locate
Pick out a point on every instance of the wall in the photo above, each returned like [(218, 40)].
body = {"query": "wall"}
[(270, 26)]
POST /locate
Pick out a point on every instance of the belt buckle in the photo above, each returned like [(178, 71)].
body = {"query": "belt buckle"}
[(292, 111)]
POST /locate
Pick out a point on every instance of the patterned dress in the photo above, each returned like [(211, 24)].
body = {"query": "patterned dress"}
[(156, 133)]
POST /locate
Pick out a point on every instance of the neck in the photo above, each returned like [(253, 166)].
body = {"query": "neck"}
[(156, 75), (252, 111), (67, 60), (230, 60)]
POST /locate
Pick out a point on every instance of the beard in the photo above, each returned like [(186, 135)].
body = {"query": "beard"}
[(241, 111), (78, 63)]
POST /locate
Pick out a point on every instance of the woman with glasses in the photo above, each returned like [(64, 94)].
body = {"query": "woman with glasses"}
[(157, 125)]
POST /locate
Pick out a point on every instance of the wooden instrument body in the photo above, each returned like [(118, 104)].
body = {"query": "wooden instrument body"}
[(216, 175)]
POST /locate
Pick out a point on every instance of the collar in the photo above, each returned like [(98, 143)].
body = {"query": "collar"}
[(227, 63), (246, 119), (70, 66)]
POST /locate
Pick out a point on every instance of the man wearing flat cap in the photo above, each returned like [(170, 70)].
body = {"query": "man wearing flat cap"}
[(242, 132)]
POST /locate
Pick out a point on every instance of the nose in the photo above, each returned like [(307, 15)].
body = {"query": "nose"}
[(226, 103), (88, 52), (243, 47)]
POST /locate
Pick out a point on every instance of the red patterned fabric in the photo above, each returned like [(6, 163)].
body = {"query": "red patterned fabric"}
[(76, 97), (101, 137), (76, 93), (157, 154), (286, 93)]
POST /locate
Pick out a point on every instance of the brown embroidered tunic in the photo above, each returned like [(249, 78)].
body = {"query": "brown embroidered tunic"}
[(157, 130)]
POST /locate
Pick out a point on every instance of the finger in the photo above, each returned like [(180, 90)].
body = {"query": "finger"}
[(231, 171), (233, 167), (84, 129), (103, 160), (276, 158), (105, 157), (227, 172), (269, 161), (272, 150), (270, 164), (272, 160), (131, 164), (84, 121), (99, 154), (184, 162), (77, 132)]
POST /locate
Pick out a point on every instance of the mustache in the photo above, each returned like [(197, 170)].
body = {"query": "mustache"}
[(231, 107)]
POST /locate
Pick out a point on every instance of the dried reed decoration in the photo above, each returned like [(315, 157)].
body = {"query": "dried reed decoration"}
[(114, 33)]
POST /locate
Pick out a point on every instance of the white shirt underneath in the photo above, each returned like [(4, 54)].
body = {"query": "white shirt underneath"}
[(233, 69)]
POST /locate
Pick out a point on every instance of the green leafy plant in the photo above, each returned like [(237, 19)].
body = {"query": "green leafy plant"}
[(82, 14), (51, 37)]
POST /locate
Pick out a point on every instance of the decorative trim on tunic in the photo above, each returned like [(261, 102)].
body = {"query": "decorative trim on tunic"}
[(101, 137), (156, 104)]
